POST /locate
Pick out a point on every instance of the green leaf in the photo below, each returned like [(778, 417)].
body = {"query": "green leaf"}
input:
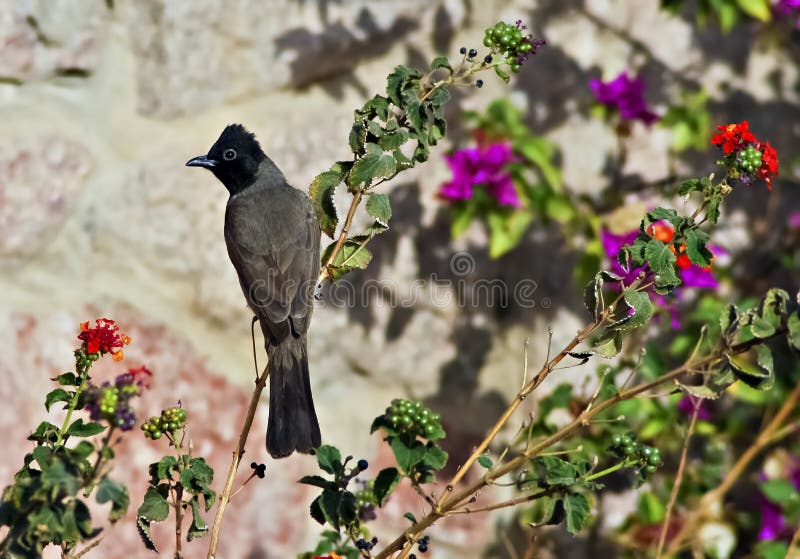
[(559, 398), (781, 492), (441, 62), (384, 484), (154, 507), (80, 429), (506, 231), (659, 256), (348, 508), (397, 81), (378, 207), (559, 209), (163, 468), (82, 450), (576, 507), (793, 334), (315, 510), (371, 166), (198, 528), (754, 367), (321, 192), (771, 550), (635, 312), (608, 344), (57, 395), (350, 257), (67, 379), (117, 494), (759, 9), (485, 461), (651, 509), (329, 505), (435, 458), (554, 471), (696, 248), (45, 432), (411, 518), (57, 478), (540, 152), (407, 457), (329, 459), (143, 527), (318, 481)]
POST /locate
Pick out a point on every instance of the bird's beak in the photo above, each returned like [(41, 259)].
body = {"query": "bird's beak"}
[(202, 161)]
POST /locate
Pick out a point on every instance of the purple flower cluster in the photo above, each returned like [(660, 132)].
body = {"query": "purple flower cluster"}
[(773, 523), (625, 95), (474, 167), (788, 8), (113, 402)]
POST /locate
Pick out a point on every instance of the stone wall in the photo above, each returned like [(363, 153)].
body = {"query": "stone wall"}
[(101, 103)]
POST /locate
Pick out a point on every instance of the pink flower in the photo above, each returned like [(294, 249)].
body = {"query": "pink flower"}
[(474, 167), (626, 95)]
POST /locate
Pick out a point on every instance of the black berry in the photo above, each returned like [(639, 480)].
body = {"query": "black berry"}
[(479, 84)]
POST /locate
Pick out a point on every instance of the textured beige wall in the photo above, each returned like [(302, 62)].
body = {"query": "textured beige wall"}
[(98, 216)]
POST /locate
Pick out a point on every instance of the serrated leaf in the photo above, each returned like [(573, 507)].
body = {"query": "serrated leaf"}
[(163, 468), (378, 206), (198, 528), (67, 379), (348, 508), (638, 309), (441, 62), (576, 509), (371, 166), (117, 494), (384, 484), (80, 429), (351, 256), (154, 507), (321, 193), (315, 510), (793, 330), (329, 505), (45, 432), (659, 256), (554, 471), (82, 450), (329, 459), (57, 395), (435, 458), (143, 527), (608, 344), (696, 248), (754, 367), (407, 457), (317, 481)]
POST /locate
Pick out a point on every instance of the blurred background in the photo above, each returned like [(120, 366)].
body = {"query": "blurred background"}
[(102, 103)]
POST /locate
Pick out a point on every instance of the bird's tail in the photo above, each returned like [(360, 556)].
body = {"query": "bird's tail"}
[(292, 423)]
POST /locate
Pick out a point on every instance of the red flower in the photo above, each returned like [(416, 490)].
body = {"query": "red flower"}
[(141, 376), (105, 337), (733, 137), (769, 163)]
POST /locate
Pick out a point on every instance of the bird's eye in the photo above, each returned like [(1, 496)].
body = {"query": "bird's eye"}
[(229, 154)]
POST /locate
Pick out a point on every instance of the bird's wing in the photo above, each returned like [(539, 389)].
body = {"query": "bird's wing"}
[(273, 241)]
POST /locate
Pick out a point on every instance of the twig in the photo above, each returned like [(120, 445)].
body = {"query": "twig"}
[(237, 457), (86, 549), (178, 521), (673, 497), (351, 212), (793, 544), (501, 505), (764, 439)]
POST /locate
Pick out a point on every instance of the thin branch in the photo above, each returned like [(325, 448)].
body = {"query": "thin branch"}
[(237, 457), (501, 505), (765, 438), (673, 497)]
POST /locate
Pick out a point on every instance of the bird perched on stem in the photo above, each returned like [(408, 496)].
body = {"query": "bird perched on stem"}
[(273, 236)]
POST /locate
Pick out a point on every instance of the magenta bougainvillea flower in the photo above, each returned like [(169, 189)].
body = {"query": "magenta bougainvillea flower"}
[(686, 405), (787, 8), (773, 524), (626, 95), (794, 220), (481, 167)]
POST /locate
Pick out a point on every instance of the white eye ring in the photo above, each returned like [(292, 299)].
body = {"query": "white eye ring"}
[(229, 154)]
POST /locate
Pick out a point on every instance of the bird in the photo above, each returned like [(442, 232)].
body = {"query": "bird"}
[(272, 234)]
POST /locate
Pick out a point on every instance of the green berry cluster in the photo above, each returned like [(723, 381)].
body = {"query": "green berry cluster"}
[(107, 402), (749, 160), (412, 418), (85, 360), (170, 420), (509, 41), (647, 458)]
